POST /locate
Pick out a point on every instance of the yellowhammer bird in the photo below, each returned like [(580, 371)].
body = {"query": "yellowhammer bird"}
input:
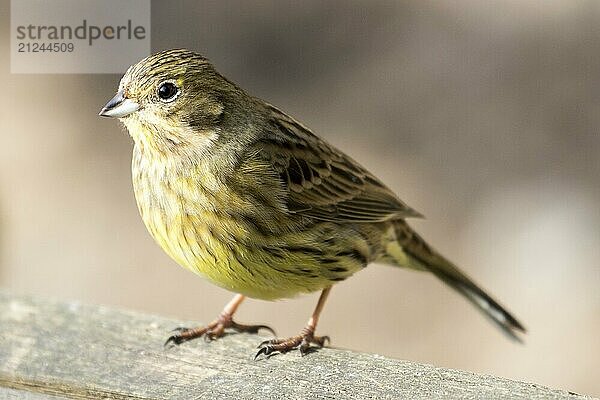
[(239, 192)]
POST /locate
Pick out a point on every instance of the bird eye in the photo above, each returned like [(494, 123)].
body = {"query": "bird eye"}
[(167, 91)]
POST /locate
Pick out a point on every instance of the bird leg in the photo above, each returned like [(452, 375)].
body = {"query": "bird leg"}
[(216, 329), (302, 341)]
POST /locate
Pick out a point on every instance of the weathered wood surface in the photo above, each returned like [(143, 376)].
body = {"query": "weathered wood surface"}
[(52, 350)]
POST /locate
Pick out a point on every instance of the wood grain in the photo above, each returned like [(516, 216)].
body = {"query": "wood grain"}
[(52, 350)]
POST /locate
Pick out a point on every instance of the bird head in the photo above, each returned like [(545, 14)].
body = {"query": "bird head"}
[(171, 101)]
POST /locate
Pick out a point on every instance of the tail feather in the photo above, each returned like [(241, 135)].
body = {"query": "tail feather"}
[(428, 259), (487, 305)]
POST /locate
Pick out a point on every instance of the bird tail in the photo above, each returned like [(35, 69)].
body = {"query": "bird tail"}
[(412, 251)]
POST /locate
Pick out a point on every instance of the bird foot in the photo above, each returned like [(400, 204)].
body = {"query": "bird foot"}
[(301, 342), (212, 331)]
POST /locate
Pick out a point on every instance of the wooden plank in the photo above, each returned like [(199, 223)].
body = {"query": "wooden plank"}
[(14, 394), (80, 351)]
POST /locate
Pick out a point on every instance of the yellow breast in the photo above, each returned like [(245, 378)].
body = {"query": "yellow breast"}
[(193, 218)]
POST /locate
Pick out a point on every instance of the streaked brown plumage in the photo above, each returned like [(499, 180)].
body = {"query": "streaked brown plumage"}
[(236, 190)]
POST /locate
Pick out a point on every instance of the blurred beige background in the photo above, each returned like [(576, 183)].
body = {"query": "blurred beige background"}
[(482, 115)]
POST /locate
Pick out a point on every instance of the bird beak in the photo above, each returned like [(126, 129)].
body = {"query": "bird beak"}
[(119, 106)]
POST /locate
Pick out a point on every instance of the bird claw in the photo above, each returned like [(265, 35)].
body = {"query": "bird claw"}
[(251, 328), (267, 350), (263, 343), (302, 342), (212, 331), (323, 340), (176, 339)]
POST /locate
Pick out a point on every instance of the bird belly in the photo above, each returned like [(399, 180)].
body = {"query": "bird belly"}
[(230, 251), (220, 251)]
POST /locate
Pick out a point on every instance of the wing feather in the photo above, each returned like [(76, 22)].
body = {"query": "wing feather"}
[(323, 182)]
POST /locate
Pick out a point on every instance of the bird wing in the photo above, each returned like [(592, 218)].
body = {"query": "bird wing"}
[(324, 183)]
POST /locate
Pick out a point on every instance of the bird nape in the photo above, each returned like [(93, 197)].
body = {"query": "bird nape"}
[(244, 195)]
